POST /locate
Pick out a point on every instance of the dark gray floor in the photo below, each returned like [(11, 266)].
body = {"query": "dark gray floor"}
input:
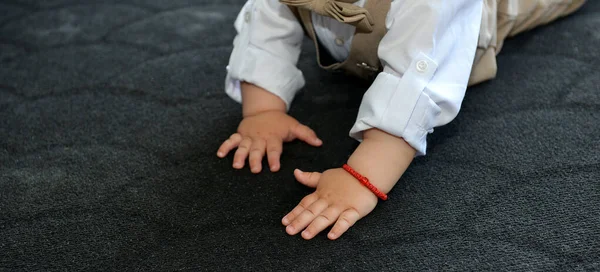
[(111, 113)]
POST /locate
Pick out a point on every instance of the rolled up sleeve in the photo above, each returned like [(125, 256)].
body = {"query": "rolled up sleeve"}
[(266, 51), (427, 55)]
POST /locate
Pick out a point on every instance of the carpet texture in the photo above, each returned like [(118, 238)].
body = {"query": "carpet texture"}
[(111, 113)]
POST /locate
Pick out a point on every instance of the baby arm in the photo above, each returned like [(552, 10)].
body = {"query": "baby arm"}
[(427, 55), (263, 76)]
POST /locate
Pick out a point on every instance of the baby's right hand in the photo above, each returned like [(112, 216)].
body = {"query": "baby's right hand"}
[(262, 133)]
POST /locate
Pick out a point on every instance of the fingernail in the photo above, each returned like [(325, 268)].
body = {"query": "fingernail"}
[(305, 233), (332, 235), (299, 171), (274, 168), (290, 229), (285, 221), (220, 154), (318, 141), (255, 169), (237, 165)]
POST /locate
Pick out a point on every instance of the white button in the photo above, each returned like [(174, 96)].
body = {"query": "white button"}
[(339, 41), (247, 16), (422, 66)]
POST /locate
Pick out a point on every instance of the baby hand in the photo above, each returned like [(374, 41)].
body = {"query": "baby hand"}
[(339, 199), (263, 133)]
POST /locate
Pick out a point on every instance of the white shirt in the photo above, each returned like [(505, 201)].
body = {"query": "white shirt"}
[(427, 55)]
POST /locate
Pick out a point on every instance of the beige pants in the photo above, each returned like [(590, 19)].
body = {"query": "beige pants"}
[(506, 18)]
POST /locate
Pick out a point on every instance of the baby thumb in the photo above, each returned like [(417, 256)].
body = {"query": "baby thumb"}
[(310, 179), (306, 134)]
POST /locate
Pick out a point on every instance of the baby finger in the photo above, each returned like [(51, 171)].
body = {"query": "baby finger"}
[(229, 144), (321, 222), (242, 153), (346, 220)]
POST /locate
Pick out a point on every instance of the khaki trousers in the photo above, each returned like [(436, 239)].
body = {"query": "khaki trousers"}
[(506, 18)]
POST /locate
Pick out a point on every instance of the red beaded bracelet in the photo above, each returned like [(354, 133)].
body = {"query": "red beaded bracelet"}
[(365, 182)]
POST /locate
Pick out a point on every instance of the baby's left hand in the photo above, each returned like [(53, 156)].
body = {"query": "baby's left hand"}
[(339, 199)]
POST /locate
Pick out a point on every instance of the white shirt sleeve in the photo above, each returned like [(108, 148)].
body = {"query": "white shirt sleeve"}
[(427, 55), (266, 50)]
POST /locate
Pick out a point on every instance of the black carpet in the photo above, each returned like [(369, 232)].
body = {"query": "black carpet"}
[(111, 113)]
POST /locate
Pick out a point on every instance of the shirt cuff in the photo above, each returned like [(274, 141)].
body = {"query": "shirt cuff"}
[(399, 105), (256, 66)]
